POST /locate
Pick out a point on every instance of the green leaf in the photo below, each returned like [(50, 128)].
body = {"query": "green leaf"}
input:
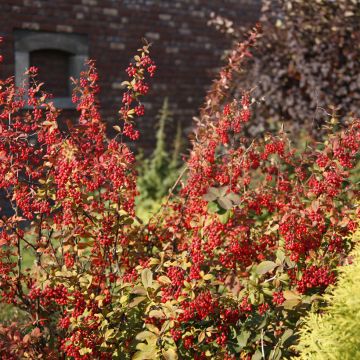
[(265, 267), (280, 255), (257, 355), (208, 277), (224, 218), (243, 338), (153, 329), (212, 207), (289, 263), (286, 335), (147, 278), (275, 354)]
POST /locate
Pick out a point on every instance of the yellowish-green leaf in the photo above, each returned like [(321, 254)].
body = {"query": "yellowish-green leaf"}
[(147, 278), (201, 337), (164, 279), (170, 354), (291, 303), (136, 301), (156, 314), (290, 295), (146, 336), (265, 267), (84, 351), (208, 277), (109, 334)]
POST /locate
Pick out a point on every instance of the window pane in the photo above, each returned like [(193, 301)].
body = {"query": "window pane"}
[(54, 71)]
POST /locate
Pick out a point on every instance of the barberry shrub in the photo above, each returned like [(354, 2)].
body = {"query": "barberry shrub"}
[(223, 271)]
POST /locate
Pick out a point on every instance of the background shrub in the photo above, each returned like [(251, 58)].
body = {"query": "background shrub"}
[(305, 65), (158, 173)]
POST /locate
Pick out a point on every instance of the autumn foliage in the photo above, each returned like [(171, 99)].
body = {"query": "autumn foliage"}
[(305, 64), (224, 270)]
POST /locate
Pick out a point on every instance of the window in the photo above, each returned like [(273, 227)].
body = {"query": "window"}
[(58, 57), (54, 70)]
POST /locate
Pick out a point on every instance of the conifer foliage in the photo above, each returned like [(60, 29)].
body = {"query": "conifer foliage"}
[(334, 333), (158, 172)]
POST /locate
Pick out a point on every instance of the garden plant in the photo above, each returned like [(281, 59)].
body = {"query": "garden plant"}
[(224, 270)]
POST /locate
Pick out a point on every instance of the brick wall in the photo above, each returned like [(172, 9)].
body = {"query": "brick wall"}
[(185, 48)]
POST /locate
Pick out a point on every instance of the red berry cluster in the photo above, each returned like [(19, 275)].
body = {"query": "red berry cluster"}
[(315, 277), (136, 87)]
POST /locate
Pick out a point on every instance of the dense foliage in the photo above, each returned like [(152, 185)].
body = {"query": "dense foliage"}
[(334, 334), (306, 62), (226, 268)]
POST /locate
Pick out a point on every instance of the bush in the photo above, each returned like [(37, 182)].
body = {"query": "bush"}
[(333, 334), (305, 65), (158, 173), (224, 271)]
